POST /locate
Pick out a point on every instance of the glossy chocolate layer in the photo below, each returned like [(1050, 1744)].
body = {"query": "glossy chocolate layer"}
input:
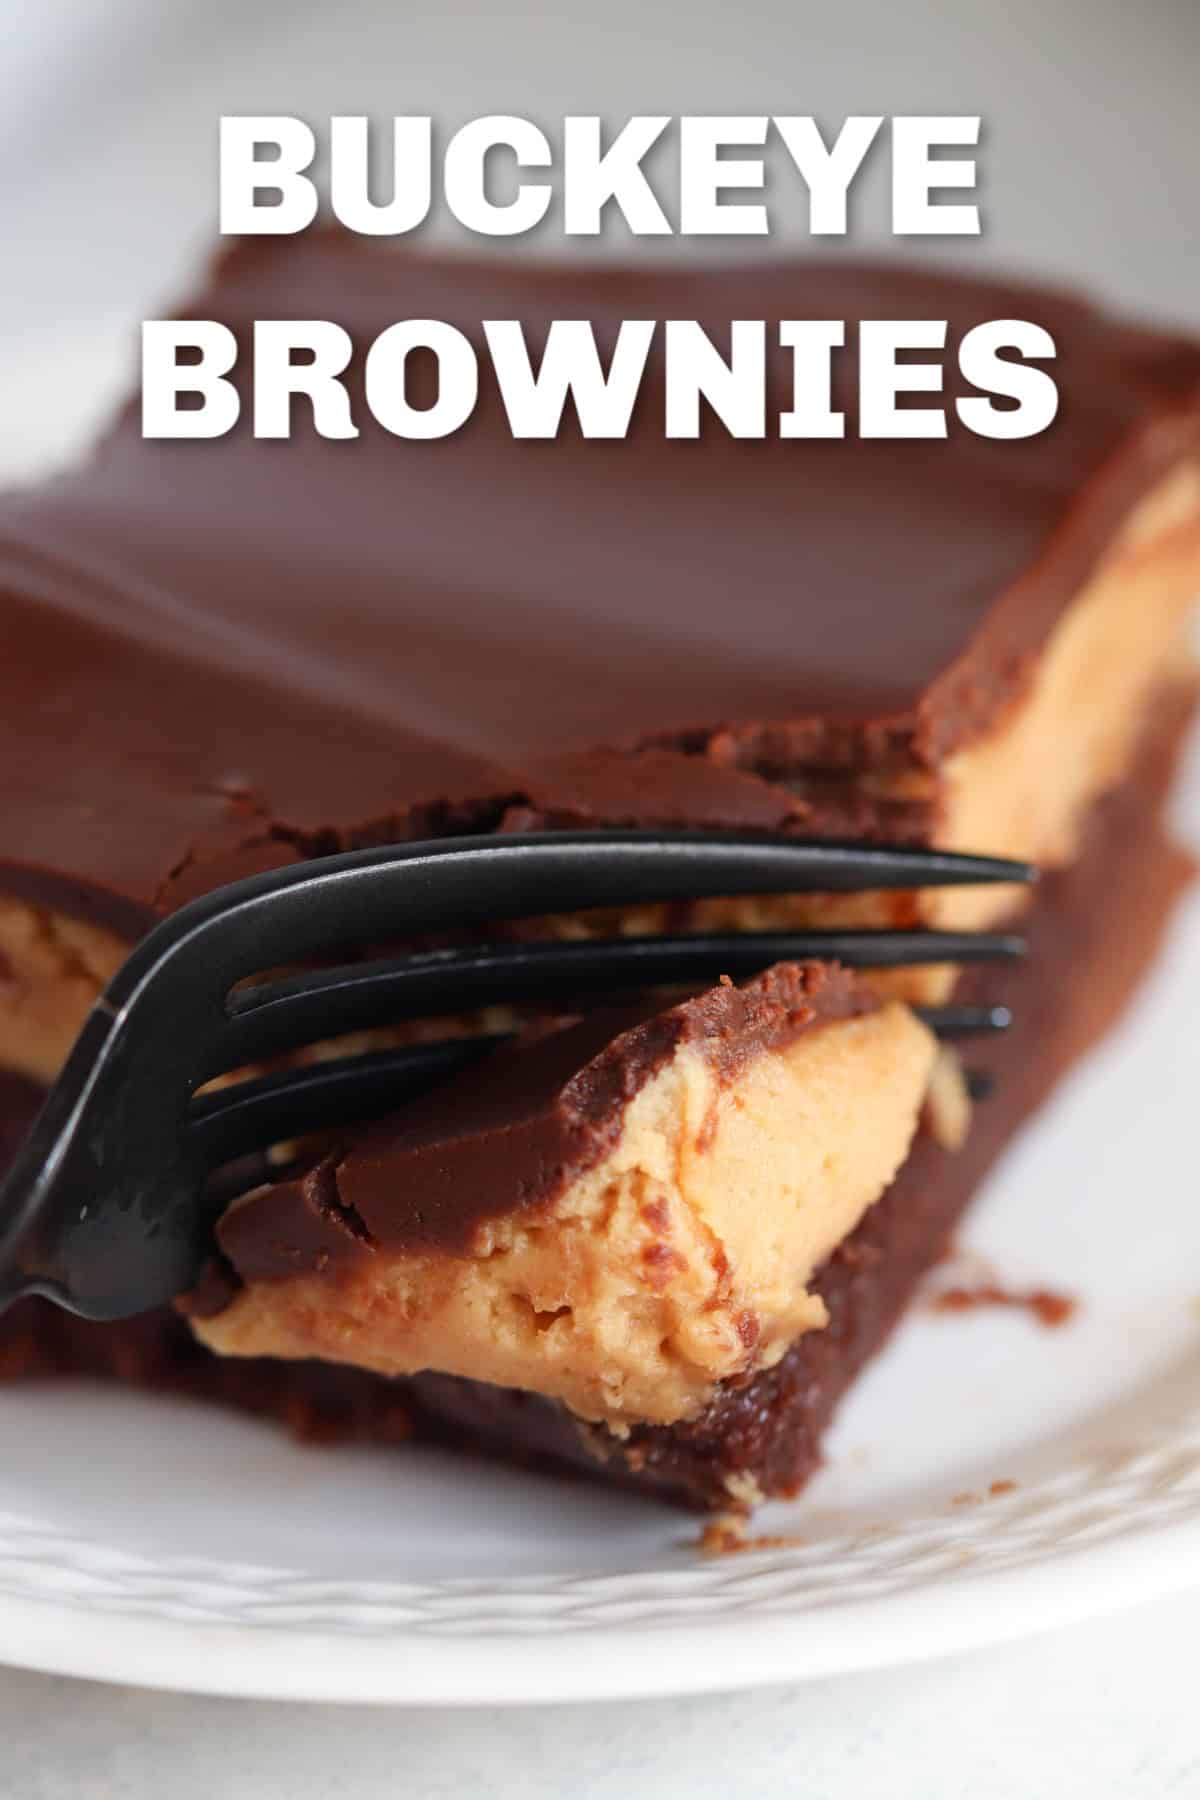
[(221, 655), (1094, 932), (516, 1132)]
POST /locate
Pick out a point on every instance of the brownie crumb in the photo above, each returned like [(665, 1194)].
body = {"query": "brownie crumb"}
[(1042, 1304), (727, 1536)]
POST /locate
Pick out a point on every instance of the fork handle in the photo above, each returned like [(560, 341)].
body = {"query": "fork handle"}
[(66, 1212)]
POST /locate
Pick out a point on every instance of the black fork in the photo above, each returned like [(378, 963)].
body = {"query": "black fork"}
[(109, 1205)]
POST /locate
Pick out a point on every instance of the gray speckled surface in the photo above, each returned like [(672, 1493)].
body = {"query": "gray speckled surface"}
[(1103, 1711)]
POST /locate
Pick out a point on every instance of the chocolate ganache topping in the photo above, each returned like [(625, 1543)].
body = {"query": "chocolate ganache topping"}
[(222, 655)]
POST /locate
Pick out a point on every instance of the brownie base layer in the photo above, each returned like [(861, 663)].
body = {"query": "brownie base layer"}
[(1094, 930)]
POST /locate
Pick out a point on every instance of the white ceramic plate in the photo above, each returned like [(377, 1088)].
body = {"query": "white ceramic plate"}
[(166, 1543), (169, 1544)]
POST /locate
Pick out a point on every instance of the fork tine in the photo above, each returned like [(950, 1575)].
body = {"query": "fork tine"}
[(289, 915), (965, 1021), (237, 1120), (295, 1010), (254, 1114), (105, 1207)]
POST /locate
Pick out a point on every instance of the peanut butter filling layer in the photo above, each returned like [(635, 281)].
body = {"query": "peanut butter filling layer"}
[(1024, 788), (1021, 789), (52, 967), (679, 1259)]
